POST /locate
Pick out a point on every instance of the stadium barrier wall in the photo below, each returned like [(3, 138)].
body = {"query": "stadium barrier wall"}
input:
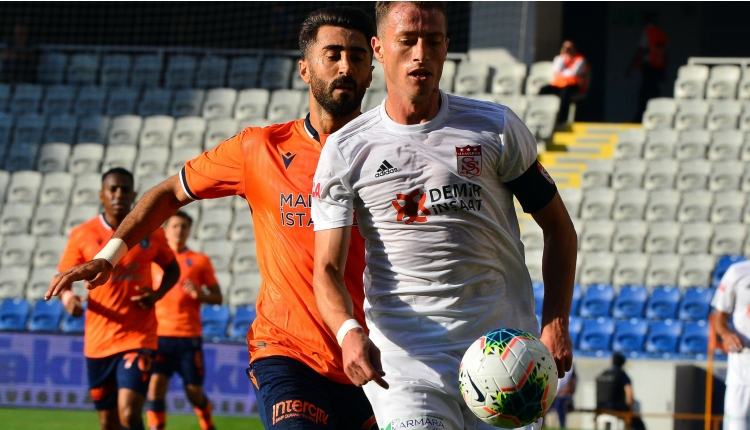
[(49, 371)]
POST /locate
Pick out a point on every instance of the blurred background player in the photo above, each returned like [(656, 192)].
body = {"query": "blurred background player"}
[(614, 391), (120, 332), (178, 314), (732, 298), (295, 359)]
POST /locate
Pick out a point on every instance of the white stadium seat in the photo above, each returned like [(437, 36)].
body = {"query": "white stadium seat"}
[(58, 100), (378, 79), (21, 156), (179, 157), (122, 101), (630, 144), (86, 190), (155, 101), (156, 131), (517, 103), (660, 144), (448, 76), (188, 132), (727, 207), (151, 161), (15, 218), (93, 129), (48, 220), (630, 269), (693, 174), (373, 99), (242, 228), (571, 197), (284, 105), (691, 82), (86, 158), (220, 251), (692, 144), (696, 271), (508, 79), (219, 130), (38, 283), (722, 82), (124, 130), (4, 181), (662, 205), (13, 282), (24, 187), (662, 237), (187, 102), (471, 78), (245, 289), (598, 236), (695, 206), (119, 156), (597, 268), (244, 72), (18, 251), (251, 104), (60, 128), (211, 72), (90, 101), (725, 145), (531, 234), (728, 239), (724, 115), (81, 214), (726, 175), (695, 238), (659, 113), (82, 69), (540, 75), (630, 204), (541, 115), (56, 188), (245, 259), (219, 103), (597, 173), (691, 115), (662, 270), (180, 72), (48, 252), (533, 258), (629, 236), (144, 183), (628, 173), (660, 174), (597, 203), (115, 70)]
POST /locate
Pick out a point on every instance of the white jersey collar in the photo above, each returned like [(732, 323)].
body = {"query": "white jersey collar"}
[(416, 128)]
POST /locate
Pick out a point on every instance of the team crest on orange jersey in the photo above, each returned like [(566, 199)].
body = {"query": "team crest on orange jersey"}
[(469, 160)]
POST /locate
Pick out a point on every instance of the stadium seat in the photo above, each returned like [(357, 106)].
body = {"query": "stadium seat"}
[(373, 99), (82, 214), (115, 70), (304, 107), (53, 157), (377, 84), (252, 104), (724, 115), (722, 265), (146, 182), (629, 204), (151, 161), (38, 283), (146, 71), (693, 174), (119, 156), (124, 130), (695, 206), (694, 238), (597, 173), (659, 113), (628, 173), (219, 130), (48, 220), (597, 203), (696, 271), (46, 316), (245, 289), (629, 144), (215, 319), (187, 102), (29, 129), (48, 252), (244, 72), (21, 156), (691, 82), (629, 336), (471, 78), (531, 234), (541, 115), (630, 269), (179, 157), (4, 96), (122, 101), (93, 129), (663, 303), (26, 99), (576, 302), (580, 259), (596, 238), (745, 180), (597, 334), (73, 325), (24, 187), (56, 188), (725, 145), (663, 337), (219, 103), (691, 115), (517, 103), (692, 144), (13, 281), (86, 189), (448, 76), (276, 73), (60, 128), (538, 291), (51, 68), (155, 101), (188, 132), (630, 302), (662, 205), (90, 101), (225, 280), (508, 79), (575, 326), (597, 268), (696, 304), (4, 181), (243, 319), (571, 197), (660, 174), (662, 270), (212, 71), (156, 131), (85, 158), (722, 82), (726, 175), (284, 105), (17, 251), (597, 301), (242, 228), (6, 125), (180, 71), (540, 74), (220, 251), (214, 224), (694, 339), (82, 69), (58, 100), (660, 144), (245, 259), (533, 259), (629, 236), (13, 314)]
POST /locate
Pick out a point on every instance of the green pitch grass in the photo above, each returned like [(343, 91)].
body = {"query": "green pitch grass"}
[(56, 419)]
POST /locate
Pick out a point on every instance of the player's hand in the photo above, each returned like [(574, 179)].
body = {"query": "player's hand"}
[(362, 359), (73, 305), (190, 288), (556, 338), (95, 273), (732, 342), (147, 298)]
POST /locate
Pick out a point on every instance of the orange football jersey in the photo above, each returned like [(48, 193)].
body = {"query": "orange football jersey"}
[(178, 314), (115, 323), (273, 168)]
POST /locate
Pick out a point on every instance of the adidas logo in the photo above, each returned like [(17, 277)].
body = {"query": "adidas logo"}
[(385, 169)]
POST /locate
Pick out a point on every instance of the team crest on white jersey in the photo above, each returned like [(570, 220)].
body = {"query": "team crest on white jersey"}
[(469, 160)]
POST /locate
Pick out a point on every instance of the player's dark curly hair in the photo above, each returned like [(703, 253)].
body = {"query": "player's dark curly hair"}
[(335, 16)]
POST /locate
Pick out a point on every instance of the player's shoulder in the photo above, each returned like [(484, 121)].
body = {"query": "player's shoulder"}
[(483, 113), (739, 269), (356, 127), (262, 135), (87, 227)]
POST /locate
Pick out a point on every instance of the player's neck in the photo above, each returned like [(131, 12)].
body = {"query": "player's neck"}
[(112, 220), (177, 247), (325, 123), (403, 110)]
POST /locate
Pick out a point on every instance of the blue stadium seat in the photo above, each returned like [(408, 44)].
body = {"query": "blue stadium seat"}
[(597, 334), (663, 303), (630, 335), (243, 318), (13, 314), (722, 265), (630, 302), (74, 325), (538, 297), (696, 304), (694, 340), (215, 319), (577, 293), (46, 316), (597, 301), (663, 337), (574, 328)]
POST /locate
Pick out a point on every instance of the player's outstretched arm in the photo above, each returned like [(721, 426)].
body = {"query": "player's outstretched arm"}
[(558, 271), (360, 356), (152, 210)]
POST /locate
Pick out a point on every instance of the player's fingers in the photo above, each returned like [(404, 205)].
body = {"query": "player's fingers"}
[(53, 289), (137, 298)]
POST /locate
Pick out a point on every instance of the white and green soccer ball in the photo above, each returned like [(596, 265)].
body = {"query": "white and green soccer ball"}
[(508, 378)]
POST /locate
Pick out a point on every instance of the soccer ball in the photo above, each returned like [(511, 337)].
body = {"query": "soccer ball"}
[(508, 378)]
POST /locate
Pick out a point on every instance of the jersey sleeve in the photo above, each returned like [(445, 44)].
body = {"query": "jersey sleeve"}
[(724, 297), (333, 197), (518, 148), (218, 172), (208, 277), (72, 255), (163, 254)]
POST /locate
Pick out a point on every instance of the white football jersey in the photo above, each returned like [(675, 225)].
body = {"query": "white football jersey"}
[(445, 263), (733, 297)]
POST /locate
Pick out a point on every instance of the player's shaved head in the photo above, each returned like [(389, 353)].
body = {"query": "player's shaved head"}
[(335, 16), (383, 8)]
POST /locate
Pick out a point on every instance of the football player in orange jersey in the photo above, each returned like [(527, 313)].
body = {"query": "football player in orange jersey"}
[(120, 331), (178, 315), (296, 367)]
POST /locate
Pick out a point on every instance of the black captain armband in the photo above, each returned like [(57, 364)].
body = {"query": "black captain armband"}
[(534, 188)]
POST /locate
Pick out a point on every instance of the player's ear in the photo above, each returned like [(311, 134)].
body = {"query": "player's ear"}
[(377, 48), (304, 70)]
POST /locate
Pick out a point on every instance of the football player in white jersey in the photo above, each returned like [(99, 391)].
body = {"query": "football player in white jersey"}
[(732, 298), (432, 178)]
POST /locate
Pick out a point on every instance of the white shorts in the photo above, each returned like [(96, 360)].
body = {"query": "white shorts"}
[(423, 394), (737, 407)]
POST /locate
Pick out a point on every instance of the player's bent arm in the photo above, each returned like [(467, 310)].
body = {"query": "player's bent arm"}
[(213, 296), (331, 296), (169, 279), (729, 338)]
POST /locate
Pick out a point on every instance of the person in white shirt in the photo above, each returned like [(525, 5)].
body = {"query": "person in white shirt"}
[(432, 179), (732, 298)]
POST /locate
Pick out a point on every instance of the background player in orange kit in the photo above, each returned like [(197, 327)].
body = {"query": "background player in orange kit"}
[(178, 314), (120, 331), (295, 359)]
